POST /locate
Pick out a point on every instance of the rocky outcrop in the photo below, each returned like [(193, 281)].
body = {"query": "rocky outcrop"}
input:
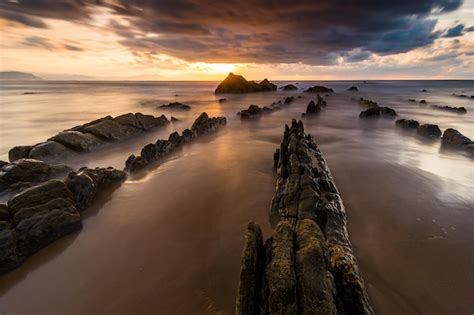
[(315, 108), (457, 110), (377, 111), (288, 100), (368, 103), (255, 111), (319, 89), (41, 214), (24, 173), (423, 102), (236, 84), (175, 106), (307, 266), (407, 123), (353, 89), (86, 137), (456, 140), (154, 151), (289, 87), (463, 96), (429, 131)]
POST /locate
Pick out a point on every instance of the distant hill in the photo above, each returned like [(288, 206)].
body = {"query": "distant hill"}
[(16, 75)]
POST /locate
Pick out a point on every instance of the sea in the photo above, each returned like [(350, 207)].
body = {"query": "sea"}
[(169, 240)]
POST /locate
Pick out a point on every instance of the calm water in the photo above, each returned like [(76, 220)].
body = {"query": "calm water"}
[(169, 240)]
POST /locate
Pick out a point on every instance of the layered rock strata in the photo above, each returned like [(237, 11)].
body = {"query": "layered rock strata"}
[(87, 137), (236, 84), (307, 266), (154, 151)]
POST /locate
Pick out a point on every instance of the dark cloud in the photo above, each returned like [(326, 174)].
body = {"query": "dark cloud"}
[(39, 42), (262, 31), (22, 19), (72, 47), (455, 31)]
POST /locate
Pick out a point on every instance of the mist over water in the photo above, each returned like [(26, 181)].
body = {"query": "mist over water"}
[(170, 238)]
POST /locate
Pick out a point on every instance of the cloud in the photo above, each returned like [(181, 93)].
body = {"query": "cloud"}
[(22, 19), (260, 31), (39, 42), (72, 47), (455, 31)]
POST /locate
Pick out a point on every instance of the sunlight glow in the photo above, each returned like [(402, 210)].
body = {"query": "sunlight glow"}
[(213, 68)]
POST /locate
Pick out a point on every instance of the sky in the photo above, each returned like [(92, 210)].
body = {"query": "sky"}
[(206, 39)]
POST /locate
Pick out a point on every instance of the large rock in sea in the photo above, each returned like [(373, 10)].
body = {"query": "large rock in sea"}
[(289, 87), (235, 84), (377, 111), (312, 108), (319, 89), (456, 140), (407, 123)]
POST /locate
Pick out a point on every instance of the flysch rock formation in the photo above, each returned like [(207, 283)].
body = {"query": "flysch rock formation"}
[(236, 84), (86, 137), (314, 108), (154, 151), (41, 214), (307, 266)]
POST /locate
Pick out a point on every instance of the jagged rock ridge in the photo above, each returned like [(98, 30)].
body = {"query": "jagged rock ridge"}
[(307, 266)]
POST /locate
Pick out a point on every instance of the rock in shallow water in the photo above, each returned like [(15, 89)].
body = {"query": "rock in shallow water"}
[(407, 123), (309, 267), (429, 131)]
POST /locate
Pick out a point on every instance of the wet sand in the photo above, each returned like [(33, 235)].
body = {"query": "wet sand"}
[(169, 240)]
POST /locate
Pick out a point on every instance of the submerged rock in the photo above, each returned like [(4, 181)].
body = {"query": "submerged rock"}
[(368, 103), (429, 131), (312, 108), (376, 112), (319, 89), (288, 99), (175, 106), (154, 151), (407, 123), (222, 100), (459, 110), (235, 84), (308, 264), (353, 89), (423, 102), (289, 87)]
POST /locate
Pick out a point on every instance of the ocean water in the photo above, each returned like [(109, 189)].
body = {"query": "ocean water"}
[(169, 239)]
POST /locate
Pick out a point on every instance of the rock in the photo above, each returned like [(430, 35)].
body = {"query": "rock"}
[(81, 128), (25, 170), (9, 258), (424, 91), (236, 84), (407, 123), (19, 152), (173, 119), (423, 102), (43, 214), (77, 141), (321, 101), (411, 100), (376, 112), (455, 139), (4, 214), (251, 266), (312, 109), (254, 111), (50, 151), (288, 99), (111, 130), (368, 103), (175, 106), (458, 110), (429, 131), (154, 151), (222, 100), (319, 89), (353, 89), (289, 87), (86, 183), (308, 265), (462, 95)]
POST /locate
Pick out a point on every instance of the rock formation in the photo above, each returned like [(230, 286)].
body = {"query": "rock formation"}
[(423, 102), (255, 111), (456, 140), (319, 89), (353, 89), (289, 87), (235, 84), (307, 266), (86, 137), (407, 123), (154, 151), (458, 110), (175, 106), (377, 111), (367, 103), (429, 131), (39, 215)]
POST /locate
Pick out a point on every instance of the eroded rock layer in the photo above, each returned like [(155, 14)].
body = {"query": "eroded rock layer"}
[(307, 266), (154, 151), (87, 137), (41, 214)]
